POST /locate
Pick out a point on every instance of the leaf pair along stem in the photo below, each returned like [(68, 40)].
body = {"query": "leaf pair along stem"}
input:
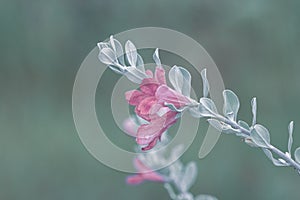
[(286, 157)]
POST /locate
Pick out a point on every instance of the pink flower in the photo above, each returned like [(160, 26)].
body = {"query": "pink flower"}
[(149, 104), (144, 173)]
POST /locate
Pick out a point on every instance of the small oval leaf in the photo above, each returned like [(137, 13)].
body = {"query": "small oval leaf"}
[(117, 47), (107, 56), (207, 107), (260, 136), (205, 83), (244, 125), (189, 176), (231, 104), (274, 161), (140, 63), (156, 58), (290, 143), (102, 45), (254, 110), (131, 53), (170, 190), (180, 78)]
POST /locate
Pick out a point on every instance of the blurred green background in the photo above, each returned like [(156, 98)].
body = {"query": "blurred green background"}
[(254, 43)]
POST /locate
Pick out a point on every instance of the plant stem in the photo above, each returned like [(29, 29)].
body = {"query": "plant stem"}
[(286, 158), (275, 150)]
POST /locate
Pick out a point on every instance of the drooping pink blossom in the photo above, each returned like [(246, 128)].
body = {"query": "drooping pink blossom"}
[(144, 174), (149, 104)]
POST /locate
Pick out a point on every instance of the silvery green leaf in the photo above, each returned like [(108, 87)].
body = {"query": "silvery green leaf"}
[(290, 143), (117, 47), (260, 136), (140, 63), (205, 197), (254, 110), (181, 80), (135, 75), (297, 155), (156, 58), (176, 172), (189, 176), (207, 107), (102, 45), (107, 56), (112, 43), (170, 190), (244, 125), (231, 104), (274, 161), (116, 69), (131, 53), (205, 83)]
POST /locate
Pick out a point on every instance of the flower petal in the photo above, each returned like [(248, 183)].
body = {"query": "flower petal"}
[(144, 173), (134, 97), (149, 73), (150, 145), (160, 75), (148, 132), (144, 107), (166, 94), (170, 118), (135, 179), (149, 86)]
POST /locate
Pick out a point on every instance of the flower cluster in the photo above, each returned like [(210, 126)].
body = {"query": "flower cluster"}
[(177, 177), (160, 106), (149, 104), (154, 98)]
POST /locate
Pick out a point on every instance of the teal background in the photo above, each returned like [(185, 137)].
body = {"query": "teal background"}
[(255, 44)]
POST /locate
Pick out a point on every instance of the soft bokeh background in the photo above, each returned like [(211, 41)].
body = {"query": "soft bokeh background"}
[(254, 43)]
